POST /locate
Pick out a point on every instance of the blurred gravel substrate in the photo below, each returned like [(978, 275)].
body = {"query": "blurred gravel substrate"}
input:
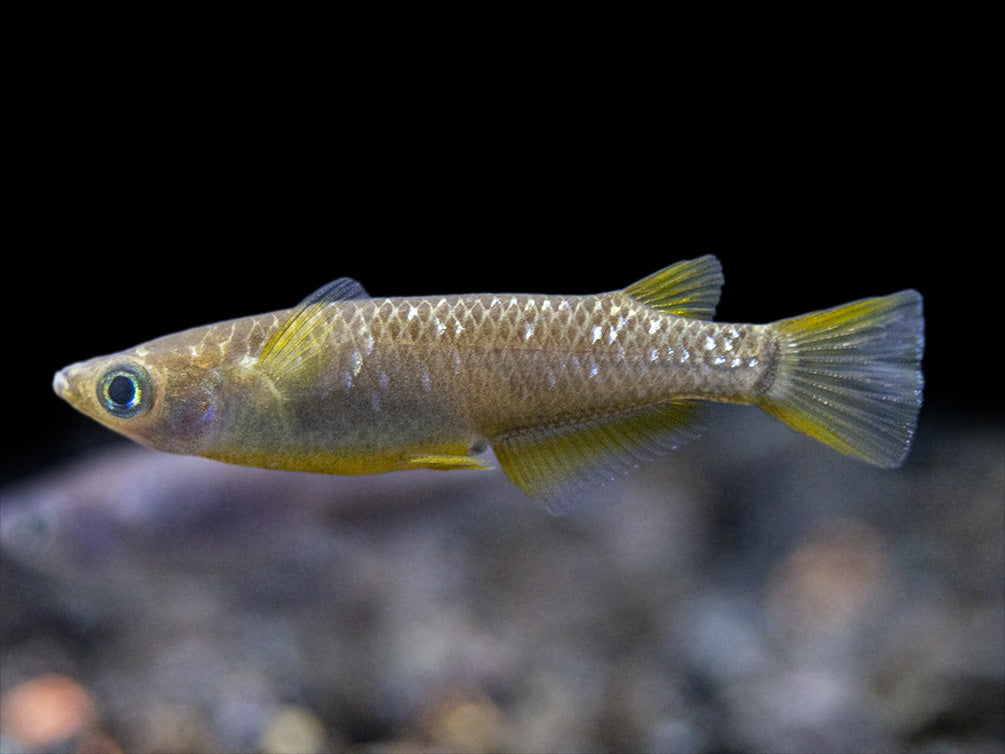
[(752, 591)]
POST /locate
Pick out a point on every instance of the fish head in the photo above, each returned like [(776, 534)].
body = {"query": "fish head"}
[(158, 395)]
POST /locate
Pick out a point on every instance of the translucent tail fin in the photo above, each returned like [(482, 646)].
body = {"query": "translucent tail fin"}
[(851, 376)]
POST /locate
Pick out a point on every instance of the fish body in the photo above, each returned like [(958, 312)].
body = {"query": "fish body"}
[(566, 389)]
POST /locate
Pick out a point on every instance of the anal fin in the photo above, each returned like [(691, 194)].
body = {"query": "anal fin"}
[(551, 464)]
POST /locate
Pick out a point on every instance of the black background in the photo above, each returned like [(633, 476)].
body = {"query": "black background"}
[(165, 171)]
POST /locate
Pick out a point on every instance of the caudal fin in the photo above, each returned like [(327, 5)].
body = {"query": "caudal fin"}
[(851, 376)]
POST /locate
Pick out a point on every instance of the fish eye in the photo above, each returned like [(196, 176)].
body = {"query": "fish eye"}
[(124, 391)]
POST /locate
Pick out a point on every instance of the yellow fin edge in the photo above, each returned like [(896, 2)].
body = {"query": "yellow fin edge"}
[(686, 289), (851, 377)]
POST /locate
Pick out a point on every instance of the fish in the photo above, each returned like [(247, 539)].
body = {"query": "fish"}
[(568, 391)]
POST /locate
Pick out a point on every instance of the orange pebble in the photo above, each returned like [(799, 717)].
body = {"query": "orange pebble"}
[(46, 710)]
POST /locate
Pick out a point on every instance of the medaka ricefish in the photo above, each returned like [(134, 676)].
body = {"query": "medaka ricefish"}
[(568, 390)]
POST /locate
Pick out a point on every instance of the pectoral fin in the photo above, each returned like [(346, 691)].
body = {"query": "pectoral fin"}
[(296, 339)]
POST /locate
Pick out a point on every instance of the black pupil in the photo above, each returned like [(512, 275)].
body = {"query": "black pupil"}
[(122, 390)]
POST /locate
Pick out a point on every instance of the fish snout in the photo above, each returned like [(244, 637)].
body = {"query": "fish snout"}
[(60, 384), (65, 381)]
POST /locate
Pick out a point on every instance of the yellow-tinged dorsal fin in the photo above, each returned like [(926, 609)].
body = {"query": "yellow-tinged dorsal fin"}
[(686, 289), (295, 336), (552, 464)]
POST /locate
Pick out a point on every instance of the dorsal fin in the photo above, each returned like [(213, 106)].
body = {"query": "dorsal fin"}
[(553, 464), (294, 336), (686, 289)]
